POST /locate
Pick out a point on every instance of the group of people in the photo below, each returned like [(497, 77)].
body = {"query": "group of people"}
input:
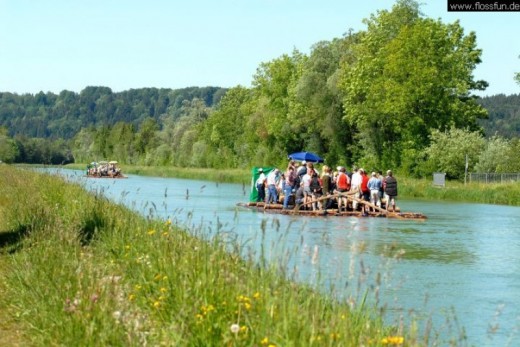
[(302, 185), (103, 170)]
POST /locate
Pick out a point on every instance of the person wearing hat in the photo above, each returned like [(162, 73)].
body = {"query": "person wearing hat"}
[(302, 170), (260, 186)]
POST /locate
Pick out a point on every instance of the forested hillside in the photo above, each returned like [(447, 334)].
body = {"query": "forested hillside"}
[(47, 115), (504, 115)]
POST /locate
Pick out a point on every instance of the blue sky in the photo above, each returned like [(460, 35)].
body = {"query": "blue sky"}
[(54, 45)]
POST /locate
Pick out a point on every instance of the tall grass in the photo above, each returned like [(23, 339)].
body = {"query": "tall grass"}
[(85, 272), (500, 194)]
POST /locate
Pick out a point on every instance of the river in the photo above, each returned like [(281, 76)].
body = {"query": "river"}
[(458, 272)]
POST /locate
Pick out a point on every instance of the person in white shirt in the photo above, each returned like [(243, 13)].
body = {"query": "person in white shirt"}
[(271, 186), (260, 186), (355, 183)]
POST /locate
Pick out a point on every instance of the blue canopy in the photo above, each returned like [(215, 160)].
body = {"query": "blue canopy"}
[(307, 156)]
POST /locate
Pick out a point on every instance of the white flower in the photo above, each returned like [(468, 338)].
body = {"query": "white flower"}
[(235, 328), (116, 315)]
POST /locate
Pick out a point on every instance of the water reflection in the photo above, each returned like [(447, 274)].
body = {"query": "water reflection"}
[(465, 258)]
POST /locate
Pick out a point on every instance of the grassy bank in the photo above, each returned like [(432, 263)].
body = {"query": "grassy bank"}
[(409, 188), (214, 175), (81, 271)]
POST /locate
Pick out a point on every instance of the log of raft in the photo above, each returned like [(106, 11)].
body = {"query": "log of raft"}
[(373, 210)]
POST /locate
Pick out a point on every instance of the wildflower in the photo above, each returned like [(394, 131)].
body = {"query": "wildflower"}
[(163, 290), (127, 247), (131, 297), (235, 328), (165, 278), (256, 295), (199, 316), (243, 328), (116, 315), (165, 233), (247, 306), (168, 222), (151, 232), (264, 341), (157, 304), (334, 336), (392, 340)]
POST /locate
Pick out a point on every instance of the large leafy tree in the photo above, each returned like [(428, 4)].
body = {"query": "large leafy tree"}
[(411, 75), (272, 84), (316, 108)]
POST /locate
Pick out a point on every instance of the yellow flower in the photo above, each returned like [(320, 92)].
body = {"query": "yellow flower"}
[(243, 328), (256, 295), (131, 297), (127, 247), (334, 336), (264, 341), (199, 316), (137, 287), (247, 306), (165, 278), (165, 233), (168, 222), (156, 304), (392, 340), (151, 232), (271, 345), (163, 290)]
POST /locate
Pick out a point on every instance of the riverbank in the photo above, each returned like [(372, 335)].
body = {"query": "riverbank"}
[(79, 270), (409, 188)]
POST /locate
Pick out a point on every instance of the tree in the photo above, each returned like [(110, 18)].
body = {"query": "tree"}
[(494, 157), (272, 84), (316, 109), (8, 148), (411, 75), (448, 150)]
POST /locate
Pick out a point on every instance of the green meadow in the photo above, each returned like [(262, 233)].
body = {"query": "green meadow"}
[(78, 270)]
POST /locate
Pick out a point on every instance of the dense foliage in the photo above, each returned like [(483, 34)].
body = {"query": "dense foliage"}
[(47, 115), (380, 98), (504, 115)]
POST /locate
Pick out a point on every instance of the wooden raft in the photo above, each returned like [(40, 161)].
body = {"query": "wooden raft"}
[(371, 210)]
